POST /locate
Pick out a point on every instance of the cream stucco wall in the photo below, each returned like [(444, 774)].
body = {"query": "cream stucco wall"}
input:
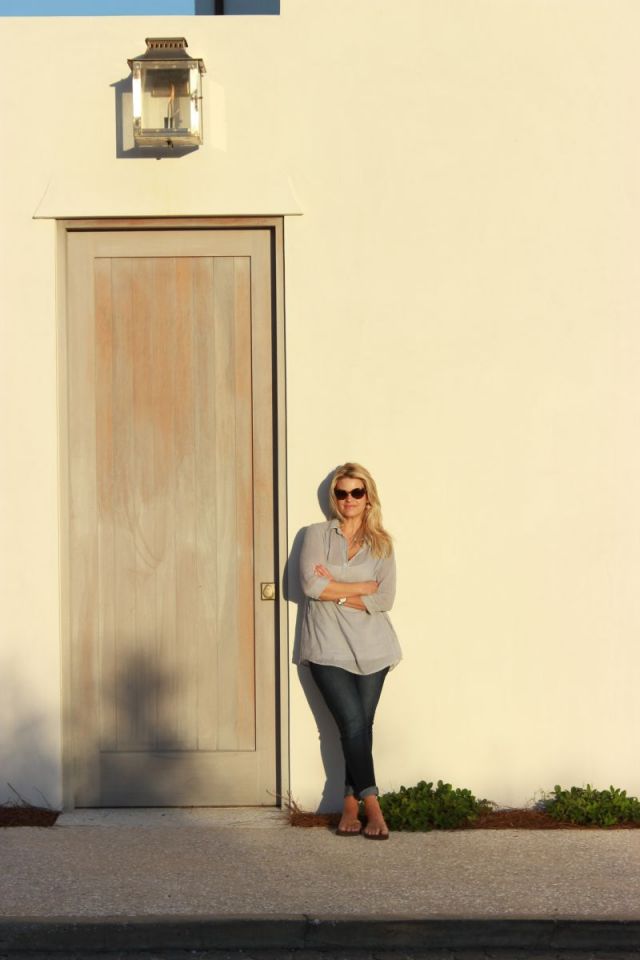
[(461, 307)]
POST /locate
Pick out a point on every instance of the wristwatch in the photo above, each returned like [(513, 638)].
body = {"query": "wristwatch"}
[(341, 601)]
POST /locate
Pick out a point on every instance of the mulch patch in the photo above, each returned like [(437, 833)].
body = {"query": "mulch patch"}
[(301, 818), (493, 820), (26, 816), (533, 820)]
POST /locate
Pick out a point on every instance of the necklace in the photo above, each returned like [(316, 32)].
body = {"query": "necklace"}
[(355, 537)]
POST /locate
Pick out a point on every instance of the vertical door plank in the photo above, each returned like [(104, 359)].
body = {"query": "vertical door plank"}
[(170, 681), (243, 732), (136, 707), (124, 508), (263, 489), (186, 570), (142, 681), (83, 573), (226, 501), (207, 533), (105, 493)]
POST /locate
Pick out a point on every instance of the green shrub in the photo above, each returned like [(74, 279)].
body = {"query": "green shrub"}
[(423, 808), (585, 805)]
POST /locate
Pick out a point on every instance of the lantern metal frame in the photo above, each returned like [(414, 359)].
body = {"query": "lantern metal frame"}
[(166, 72)]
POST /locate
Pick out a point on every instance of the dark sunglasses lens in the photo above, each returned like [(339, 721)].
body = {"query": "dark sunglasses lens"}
[(357, 494)]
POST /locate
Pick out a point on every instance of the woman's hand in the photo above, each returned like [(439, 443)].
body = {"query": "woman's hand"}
[(355, 603), (321, 571)]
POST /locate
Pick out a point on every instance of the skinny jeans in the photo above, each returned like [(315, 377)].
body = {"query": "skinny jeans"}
[(352, 700)]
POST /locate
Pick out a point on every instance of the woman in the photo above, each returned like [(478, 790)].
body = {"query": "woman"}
[(348, 575)]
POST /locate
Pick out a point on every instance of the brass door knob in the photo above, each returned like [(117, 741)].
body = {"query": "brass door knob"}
[(268, 591)]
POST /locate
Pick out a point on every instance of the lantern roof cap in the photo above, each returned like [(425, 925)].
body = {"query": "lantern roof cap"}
[(167, 48)]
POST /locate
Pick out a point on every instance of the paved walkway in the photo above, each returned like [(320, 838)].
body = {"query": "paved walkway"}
[(244, 878)]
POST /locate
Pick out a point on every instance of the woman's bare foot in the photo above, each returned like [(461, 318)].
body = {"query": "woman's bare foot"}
[(349, 822), (376, 828)]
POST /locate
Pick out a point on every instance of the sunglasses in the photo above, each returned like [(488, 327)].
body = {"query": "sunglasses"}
[(357, 494)]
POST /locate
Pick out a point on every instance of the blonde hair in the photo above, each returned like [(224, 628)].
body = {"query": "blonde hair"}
[(375, 535)]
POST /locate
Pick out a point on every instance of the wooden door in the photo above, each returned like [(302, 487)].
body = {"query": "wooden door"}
[(171, 517)]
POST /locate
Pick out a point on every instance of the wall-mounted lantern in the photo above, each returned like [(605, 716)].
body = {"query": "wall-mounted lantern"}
[(167, 95)]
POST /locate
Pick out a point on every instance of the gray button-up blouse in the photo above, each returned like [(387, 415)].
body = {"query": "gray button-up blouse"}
[(358, 641)]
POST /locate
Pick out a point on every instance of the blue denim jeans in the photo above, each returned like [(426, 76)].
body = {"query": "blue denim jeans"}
[(352, 700)]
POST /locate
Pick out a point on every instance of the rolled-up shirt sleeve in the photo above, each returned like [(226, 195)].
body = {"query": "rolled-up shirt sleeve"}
[(313, 552), (382, 599)]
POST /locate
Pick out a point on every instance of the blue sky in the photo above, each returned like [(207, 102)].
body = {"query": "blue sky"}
[(89, 8), (71, 8)]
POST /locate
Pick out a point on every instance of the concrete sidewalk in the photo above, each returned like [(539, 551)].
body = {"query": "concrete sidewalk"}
[(190, 879)]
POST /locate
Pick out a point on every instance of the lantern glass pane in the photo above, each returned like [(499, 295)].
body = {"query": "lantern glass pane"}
[(136, 90), (196, 102), (166, 99)]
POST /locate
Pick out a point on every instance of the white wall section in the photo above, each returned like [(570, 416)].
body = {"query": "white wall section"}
[(462, 296)]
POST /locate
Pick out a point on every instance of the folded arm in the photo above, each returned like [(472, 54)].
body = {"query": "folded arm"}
[(382, 599), (318, 583), (335, 590)]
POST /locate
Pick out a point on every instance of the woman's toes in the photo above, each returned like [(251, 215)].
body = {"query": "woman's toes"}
[(349, 825), (376, 830)]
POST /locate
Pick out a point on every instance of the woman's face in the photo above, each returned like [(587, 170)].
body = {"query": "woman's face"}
[(351, 508)]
